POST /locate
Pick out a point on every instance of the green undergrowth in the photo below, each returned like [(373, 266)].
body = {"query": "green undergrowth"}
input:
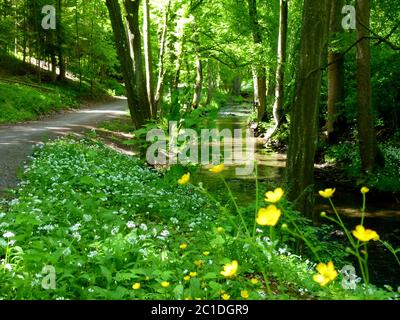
[(89, 223)]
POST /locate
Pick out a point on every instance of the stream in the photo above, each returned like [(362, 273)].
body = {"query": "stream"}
[(382, 214)]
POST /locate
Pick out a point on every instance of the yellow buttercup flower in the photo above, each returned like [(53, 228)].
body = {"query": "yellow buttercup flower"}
[(186, 278), (220, 230), (365, 235), (268, 216), (225, 296), (364, 190), (206, 253), (185, 179), (327, 193), (274, 196), (198, 263), (254, 281), (136, 286), (218, 168), (183, 246), (193, 274), (165, 284), (326, 273), (230, 269), (244, 294)]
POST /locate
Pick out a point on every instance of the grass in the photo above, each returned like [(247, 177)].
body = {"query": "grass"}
[(112, 228)]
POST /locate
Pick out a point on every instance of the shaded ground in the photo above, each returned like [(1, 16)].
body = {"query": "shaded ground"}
[(16, 141)]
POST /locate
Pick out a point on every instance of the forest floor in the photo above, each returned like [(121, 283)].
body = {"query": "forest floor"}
[(16, 141)]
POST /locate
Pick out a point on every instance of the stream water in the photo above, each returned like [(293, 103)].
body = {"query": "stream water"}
[(382, 215)]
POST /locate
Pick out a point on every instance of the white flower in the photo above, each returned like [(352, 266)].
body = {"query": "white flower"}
[(92, 254), (75, 227), (143, 227), (130, 225), (67, 252), (87, 217), (282, 250), (259, 230), (8, 267), (114, 231), (77, 236), (164, 233), (8, 234)]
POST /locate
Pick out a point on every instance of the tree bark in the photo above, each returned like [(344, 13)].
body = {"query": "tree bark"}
[(304, 117), (366, 130), (210, 80), (199, 83), (123, 50), (260, 97), (61, 62), (280, 71), (335, 77), (132, 17), (161, 70), (148, 58), (237, 86)]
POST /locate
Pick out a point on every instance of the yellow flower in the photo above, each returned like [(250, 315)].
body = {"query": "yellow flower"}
[(326, 273), (274, 196), (188, 298), (185, 179), (186, 278), (165, 284), (254, 281), (218, 168), (268, 216), (198, 263), (364, 190), (206, 253), (136, 286), (327, 193), (365, 235), (220, 230), (244, 294), (183, 246), (193, 274), (225, 296), (230, 269)]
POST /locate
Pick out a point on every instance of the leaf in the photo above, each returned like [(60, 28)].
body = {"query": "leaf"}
[(178, 292)]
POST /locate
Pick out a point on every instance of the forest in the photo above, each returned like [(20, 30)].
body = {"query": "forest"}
[(199, 149)]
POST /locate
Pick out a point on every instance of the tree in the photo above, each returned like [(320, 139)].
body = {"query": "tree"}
[(280, 72), (304, 115), (365, 120), (336, 78), (123, 49), (260, 80), (148, 57)]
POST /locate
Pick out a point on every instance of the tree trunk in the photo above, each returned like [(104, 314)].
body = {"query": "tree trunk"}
[(366, 130), (199, 83), (132, 17), (335, 76), (148, 58), (260, 98), (210, 80), (61, 62), (161, 70), (280, 72), (237, 86), (304, 117), (123, 50)]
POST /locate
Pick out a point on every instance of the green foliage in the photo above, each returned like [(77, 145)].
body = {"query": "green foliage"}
[(105, 222)]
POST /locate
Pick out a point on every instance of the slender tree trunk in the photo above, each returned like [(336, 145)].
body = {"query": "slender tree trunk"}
[(148, 57), (199, 83), (237, 86), (304, 117), (366, 130), (123, 50), (261, 79), (132, 17), (335, 76), (210, 80), (280, 72), (61, 62), (161, 70)]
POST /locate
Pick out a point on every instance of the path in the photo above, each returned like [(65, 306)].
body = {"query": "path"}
[(16, 141)]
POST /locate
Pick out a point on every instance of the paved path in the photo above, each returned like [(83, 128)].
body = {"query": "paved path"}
[(16, 141)]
